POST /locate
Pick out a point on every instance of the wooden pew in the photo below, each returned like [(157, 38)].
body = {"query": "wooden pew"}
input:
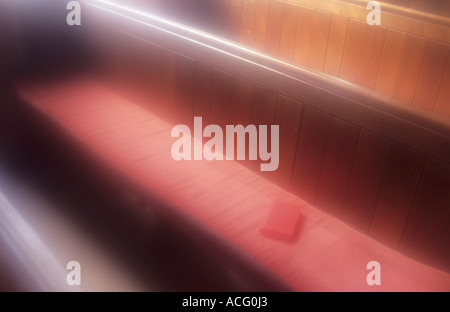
[(367, 159)]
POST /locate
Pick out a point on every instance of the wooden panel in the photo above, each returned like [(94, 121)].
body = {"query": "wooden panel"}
[(418, 4), (167, 82), (203, 91), (337, 165), (241, 108), (431, 75), (288, 116), (429, 219), (184, 90), (258, 39), (403, 3), (263, 113), (446, 10), (248, 11), (414, 22), (390, 63), (443, 258), (400, 184), (114, 57), (221, 100), (303, 35), (443, 100), (235, 19), (336, 43), (273, 30), (319, 40), (365, 180), (310, 151), (354, 44), (154, 68), (111, 63), (264, 106), (128, 53), (410, 67), (136, 71), (434, 6), (288, 28), (371, 56)]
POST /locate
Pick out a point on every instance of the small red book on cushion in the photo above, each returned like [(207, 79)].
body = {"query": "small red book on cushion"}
[(282, 221)]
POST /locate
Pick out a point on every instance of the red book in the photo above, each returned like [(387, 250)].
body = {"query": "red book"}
[(282, 221)]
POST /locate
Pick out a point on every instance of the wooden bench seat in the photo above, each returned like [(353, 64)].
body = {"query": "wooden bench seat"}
[(223, 197)]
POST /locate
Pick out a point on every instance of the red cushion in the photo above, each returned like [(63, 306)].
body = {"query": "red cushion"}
[(224, 196)]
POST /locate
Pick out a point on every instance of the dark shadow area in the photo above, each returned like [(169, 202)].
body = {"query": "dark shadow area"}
[(152, 246), (155, 248)]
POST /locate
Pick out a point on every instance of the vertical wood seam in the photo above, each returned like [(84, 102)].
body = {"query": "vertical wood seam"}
[(296, 144), (323, 157), (351, 171), (343, 51), (414, 201), (385, 171), (441, 82), (382, 59)]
